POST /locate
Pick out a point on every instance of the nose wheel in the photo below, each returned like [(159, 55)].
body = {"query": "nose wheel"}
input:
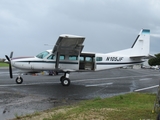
[(65, 81), (19, 80)]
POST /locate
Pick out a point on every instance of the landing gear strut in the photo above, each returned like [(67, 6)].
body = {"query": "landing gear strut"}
[(65, 81)]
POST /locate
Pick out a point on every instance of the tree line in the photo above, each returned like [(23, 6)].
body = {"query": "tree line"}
[(155, 60)]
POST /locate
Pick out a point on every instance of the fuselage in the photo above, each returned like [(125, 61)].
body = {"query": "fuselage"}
[(46, 61)]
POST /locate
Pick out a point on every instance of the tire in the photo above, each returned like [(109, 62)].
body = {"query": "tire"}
[(62, 78), (66, 82), (19, 80)]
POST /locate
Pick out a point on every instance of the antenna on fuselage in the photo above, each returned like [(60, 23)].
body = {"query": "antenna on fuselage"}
[(48, 45)]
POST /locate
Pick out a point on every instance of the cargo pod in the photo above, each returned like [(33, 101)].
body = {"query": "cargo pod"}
[(87, 61)]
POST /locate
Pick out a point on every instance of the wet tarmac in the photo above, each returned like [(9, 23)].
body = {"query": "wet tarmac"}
[(38, 93)]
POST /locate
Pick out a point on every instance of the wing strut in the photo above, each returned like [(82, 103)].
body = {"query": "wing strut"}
[(57, 61)]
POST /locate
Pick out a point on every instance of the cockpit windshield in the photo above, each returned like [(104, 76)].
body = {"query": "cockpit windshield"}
[(42, 54)]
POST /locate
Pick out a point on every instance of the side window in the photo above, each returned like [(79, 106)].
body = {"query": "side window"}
[(81, 58), (73, 57), (51, 57), (61, 57), (89, 59), (98, 58)]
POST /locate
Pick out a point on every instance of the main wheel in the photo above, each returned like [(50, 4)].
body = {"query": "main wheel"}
[(19, 80), (62, 78), (65, 82)]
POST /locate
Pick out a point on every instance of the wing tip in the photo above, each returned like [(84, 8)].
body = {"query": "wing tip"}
[(71, 36)]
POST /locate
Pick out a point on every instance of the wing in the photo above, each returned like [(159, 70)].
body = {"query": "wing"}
[(69, 44)]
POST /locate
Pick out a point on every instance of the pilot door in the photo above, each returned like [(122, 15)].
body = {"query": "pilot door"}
[(87, 61)]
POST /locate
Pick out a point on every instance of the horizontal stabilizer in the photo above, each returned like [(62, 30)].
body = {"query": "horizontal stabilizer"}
[(143, 57)]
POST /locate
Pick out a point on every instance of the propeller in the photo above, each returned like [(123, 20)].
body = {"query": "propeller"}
[(10, 66), (11, 55)]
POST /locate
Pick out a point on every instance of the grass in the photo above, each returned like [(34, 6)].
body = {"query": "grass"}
[(132, 106), (3, 64)]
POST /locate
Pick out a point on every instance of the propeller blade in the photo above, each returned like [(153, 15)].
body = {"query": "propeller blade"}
[(11, 55), (10, 66), (7, 58), (10, 71)]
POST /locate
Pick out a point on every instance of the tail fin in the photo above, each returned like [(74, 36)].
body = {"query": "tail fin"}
[(141, 46)]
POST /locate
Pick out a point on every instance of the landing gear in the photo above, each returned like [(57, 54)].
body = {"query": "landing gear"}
[(65, 81), (19, 80)]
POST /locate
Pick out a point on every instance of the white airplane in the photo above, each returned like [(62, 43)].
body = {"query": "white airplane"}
[(67, 56)]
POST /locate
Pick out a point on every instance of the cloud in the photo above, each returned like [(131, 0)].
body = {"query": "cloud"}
[(124, 13), (107, 25), (156, 35)]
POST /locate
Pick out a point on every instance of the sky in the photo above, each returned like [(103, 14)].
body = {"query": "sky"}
[(108, 25)]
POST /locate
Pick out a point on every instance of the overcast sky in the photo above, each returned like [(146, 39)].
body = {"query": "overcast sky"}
[(108, 25)]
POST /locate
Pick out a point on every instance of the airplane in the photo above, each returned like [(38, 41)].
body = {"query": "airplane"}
[(67, 56)]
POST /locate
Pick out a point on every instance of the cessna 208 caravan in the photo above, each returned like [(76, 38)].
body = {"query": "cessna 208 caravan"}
[(67, 56)]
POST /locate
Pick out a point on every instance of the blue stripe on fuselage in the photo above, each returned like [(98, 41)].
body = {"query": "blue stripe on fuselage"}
[(116, 63), (47, 62), (98, 63)]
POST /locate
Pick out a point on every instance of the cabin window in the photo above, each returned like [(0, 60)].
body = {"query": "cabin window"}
[(73, 57), (81, 58), (98, 58), (89, 59), (61, 57), (42, 54), (51, 57)]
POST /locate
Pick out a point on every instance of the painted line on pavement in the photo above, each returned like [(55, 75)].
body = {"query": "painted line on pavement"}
[(144, 79), (146, 88), (103, 84), (40, 83)]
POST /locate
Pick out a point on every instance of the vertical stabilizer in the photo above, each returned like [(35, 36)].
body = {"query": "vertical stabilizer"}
[(141, 46)]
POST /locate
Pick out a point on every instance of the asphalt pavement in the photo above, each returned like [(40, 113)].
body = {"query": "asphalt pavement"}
[(41, 92)]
